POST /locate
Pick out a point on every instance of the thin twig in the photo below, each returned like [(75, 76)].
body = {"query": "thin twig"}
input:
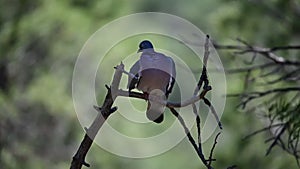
[(276, 139), (262, 130), (253, 95), (213, 111), (203, 78), (266, 52), (212, 149), (245, 69), (284, 77), (188, 134)]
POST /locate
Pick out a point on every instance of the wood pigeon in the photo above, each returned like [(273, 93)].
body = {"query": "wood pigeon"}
[(155, 76)]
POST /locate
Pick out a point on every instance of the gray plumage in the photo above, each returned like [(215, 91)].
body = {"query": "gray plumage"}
[(155, 75)]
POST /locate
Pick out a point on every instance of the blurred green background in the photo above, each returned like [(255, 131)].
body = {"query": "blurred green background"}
[(40, 41)]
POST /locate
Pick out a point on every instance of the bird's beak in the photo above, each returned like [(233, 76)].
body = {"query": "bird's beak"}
[(140, 50)]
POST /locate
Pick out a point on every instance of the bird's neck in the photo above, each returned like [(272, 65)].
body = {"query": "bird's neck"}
[(148, 51)]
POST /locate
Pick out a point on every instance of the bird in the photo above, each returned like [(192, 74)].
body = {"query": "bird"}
[(155, 75)]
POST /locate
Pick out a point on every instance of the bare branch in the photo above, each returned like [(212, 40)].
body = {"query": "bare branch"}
[(191, 139), (262, 130), (213, 111), (103, 113), (276, 139), (289, 47), (266, 52), (257, 94), (203, 78), (240, 70), (280, 69), (212, 149), (285, 77)]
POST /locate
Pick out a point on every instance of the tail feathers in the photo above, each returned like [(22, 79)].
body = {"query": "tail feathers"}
[(155, 112)]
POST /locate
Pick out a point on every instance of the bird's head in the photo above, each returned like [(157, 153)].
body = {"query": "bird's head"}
[(145, 45)]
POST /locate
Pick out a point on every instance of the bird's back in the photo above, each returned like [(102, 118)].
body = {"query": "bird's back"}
[(155, 60)]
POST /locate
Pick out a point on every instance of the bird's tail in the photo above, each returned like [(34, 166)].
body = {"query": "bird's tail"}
[(155, 107)]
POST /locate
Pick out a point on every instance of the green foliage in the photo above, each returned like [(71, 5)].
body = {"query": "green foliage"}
[(288, 114)]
